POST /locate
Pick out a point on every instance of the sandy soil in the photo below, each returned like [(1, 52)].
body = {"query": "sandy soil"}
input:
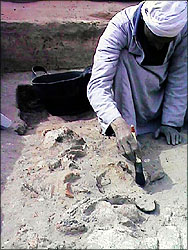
[(64, 185)]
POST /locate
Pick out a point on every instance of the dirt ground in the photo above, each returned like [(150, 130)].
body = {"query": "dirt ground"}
[(64, 185), (52, 11)]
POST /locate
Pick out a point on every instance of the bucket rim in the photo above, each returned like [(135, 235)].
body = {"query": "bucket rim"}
[(66, 80)]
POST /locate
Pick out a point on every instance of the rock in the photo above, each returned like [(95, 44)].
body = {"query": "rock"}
[(20, 127), (131, 212), (125, 167), (60, 135), (104, 214), (78, 229), (80, 141), (51, 137), (154, 170), (90, 209), (73, 165), (72, 227), (74, 154)]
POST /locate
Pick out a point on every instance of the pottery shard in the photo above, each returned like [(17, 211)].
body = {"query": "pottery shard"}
[(68, 191), (102, 181), (145, 204)]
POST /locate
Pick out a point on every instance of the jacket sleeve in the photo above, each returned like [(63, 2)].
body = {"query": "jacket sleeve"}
[(175, 99), (99, 90)]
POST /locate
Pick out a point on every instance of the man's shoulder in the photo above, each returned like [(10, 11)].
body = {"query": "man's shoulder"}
[(130, 11), (125, 16)]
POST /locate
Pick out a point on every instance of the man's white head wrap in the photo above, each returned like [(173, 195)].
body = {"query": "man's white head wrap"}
[(165, 18)]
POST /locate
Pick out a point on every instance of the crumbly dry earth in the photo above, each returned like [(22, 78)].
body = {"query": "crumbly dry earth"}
[(69, 188)]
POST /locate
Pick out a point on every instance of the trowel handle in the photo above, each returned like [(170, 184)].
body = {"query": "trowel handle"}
[(138, 160), (133, 132)]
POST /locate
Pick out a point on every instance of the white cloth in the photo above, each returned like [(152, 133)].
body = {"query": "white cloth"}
[(165, 18), (5, 122)]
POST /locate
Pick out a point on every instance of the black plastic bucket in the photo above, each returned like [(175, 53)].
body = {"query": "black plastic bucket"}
[(63, 93)]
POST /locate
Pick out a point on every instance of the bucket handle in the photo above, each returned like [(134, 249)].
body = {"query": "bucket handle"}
[(87, 70), (36, 69)]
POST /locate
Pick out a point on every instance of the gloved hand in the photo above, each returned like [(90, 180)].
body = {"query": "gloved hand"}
[(126, 143), (172, 135)]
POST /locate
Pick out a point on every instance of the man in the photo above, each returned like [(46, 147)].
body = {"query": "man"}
[(139, 76)]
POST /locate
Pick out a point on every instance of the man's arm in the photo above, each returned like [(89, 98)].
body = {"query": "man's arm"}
[(126, 142), (100, 95), (175, 100)]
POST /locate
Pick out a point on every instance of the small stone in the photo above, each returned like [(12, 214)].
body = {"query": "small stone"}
[(41, 199), (157, 175), (58, 226), (75, 228), (34, 195), (54, 164), (146, 160), (35, 215), (73, 165), (90, 209), (154, 170), (74, 154), (80, 141), (20, 127), (52, 191), (33, 243), (71, 177)]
